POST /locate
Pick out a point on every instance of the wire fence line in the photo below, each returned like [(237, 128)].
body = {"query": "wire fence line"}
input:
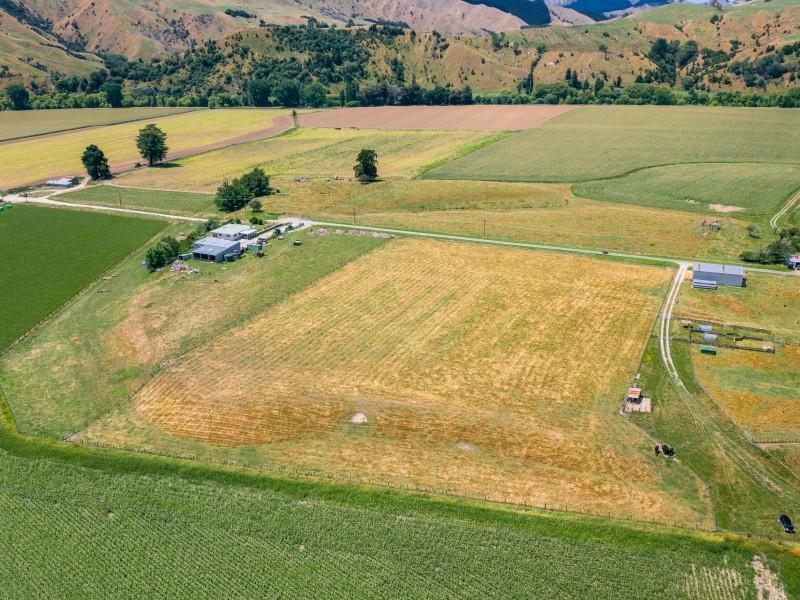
[(748, 436), (400, 486)]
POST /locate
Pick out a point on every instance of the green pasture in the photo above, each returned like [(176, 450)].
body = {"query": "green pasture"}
[(179, 203), (597, 142), (749, 489), (19, 124), (758, 390), (49, 254), (738, 188)]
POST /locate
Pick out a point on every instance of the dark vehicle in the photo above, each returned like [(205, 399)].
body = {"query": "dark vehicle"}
[(786, 523), (605, 251)]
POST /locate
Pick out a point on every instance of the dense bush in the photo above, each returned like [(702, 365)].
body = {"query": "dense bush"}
[(157, 255), (788, 242)]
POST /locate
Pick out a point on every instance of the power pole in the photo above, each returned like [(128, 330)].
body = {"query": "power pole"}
[(354, 215), (119, 195), (484, 228)]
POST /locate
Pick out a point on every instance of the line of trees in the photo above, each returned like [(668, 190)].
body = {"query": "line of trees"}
[(151, 142)]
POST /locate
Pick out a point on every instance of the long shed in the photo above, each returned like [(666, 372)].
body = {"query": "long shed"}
[(213, 249), (730, 275)]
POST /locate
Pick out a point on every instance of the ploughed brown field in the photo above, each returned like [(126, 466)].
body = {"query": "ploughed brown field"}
[(440, 118)]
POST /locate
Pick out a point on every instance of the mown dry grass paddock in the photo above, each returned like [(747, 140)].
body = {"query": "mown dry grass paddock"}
[(37, 159), (478, 117), (538, 213), (760, 391), (479, 370), (313, 153), (104, 346)]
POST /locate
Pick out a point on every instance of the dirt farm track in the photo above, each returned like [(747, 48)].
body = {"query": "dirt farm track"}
[(442, 118)]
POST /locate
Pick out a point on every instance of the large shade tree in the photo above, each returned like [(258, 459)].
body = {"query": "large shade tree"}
[(366, 166), (232, 195), (152, 144), (95, 162), (20, 99)]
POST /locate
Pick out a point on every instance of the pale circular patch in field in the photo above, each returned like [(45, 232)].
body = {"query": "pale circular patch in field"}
[(464, 447), (725, 208), (358, 418)]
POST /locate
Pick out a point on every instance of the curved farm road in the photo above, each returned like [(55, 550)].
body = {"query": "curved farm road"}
[(666, 318), (789, 205)]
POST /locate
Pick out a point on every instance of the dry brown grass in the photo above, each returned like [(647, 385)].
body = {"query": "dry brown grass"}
[(479, 370), (476, 117), (768, 302), (543, 213), (311, 153), (759, 390)]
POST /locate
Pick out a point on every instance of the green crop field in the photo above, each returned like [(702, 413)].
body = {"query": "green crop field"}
[(315, 153), (19, 124), (29, 160), (698, 159), (597, 142), (50, 254), (740, 188), (179, 203), (169, 529)]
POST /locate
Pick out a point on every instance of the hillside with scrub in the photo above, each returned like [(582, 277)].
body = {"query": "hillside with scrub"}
[(679, 53)]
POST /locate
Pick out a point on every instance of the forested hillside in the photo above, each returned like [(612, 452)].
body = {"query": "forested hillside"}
[(676, 53)]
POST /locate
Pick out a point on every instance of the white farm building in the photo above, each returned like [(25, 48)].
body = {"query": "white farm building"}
[(231, 231)]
